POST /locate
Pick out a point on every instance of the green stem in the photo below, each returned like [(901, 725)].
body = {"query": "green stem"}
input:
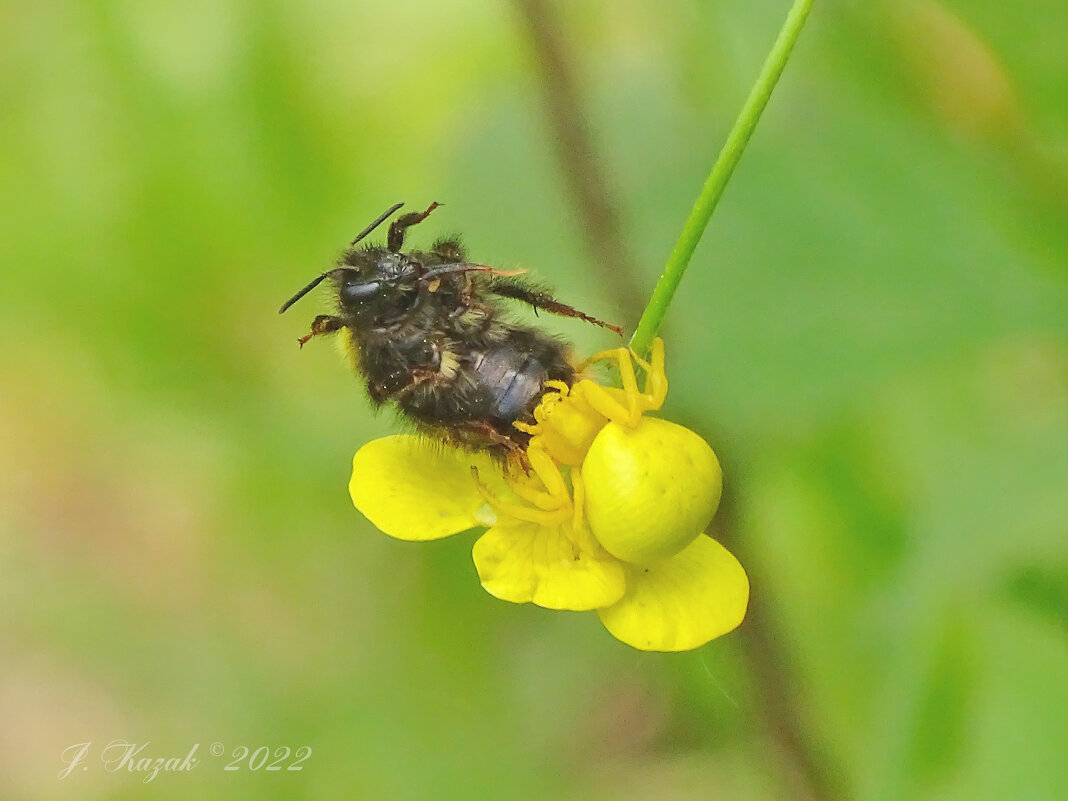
[(728, 159)]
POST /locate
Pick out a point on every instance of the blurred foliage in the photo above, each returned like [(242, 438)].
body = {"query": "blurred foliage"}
[(874, 335)]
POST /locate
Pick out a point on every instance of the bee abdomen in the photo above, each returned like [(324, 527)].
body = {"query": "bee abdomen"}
[(514, 373), (512, 384)]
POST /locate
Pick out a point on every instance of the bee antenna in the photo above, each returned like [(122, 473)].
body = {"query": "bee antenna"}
[(381, 219), (302, 293), (315, 282)]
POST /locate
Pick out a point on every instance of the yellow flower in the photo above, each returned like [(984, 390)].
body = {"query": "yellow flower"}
[(609, 517)]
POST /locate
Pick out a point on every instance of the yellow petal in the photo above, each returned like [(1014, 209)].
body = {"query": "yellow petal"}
[(682, 602), (413, 488), (526, 562), (649, 488)]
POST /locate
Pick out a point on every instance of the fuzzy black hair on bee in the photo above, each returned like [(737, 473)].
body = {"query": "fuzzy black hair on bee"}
[(426, 330)]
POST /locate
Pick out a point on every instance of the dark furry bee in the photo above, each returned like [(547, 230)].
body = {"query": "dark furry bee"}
[(427, 332)]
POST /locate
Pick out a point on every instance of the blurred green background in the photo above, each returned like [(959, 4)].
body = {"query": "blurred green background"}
[(873, 336)]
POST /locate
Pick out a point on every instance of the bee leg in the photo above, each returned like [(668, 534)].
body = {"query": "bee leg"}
[(485, 432), (395, 237), (508, 287), (419, 376), (323, 324), (464, 299)]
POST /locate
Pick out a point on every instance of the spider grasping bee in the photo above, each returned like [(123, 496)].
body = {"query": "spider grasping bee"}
[(427, 331)]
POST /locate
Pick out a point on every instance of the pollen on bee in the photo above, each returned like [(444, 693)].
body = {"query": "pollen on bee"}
[(450, 364), (433, 285), (346, 344)]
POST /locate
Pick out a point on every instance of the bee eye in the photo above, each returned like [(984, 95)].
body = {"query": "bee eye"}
[(354, 293)]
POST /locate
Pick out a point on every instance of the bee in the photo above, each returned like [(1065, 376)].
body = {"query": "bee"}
[(427, 331)]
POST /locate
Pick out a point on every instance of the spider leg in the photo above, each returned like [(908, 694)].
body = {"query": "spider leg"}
[(544, 517), (650, 398)]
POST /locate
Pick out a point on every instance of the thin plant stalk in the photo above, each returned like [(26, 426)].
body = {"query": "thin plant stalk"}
[(728, 159)]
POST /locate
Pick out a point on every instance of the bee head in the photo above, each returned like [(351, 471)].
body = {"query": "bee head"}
[(362, 275), (375, 282)]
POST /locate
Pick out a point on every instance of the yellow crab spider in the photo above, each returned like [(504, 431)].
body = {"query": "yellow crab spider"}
[(574, 415), (569, 418), (607, 514)]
